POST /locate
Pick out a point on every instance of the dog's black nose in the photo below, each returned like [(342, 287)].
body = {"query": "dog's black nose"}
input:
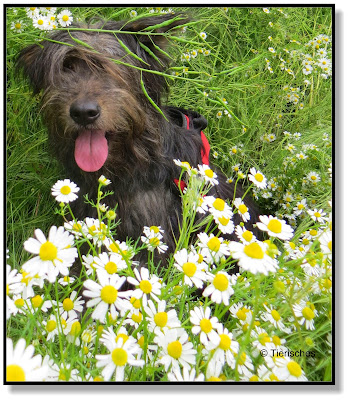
[(84, 112)]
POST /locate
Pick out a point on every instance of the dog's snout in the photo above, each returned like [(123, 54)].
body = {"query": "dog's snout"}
[(84, 112)]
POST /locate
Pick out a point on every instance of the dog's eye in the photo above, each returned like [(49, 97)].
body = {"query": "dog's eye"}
[(68, 65)]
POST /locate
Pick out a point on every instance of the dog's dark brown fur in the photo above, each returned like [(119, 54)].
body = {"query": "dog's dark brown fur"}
[(141, 142)]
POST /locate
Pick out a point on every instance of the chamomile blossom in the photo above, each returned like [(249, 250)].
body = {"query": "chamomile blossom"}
[(220, 288), (106, 296), (187, 263), (153, 239), (65, 18), (288, 370), (273, 316), (218, 207), (305, 312), (204, 325), (111, 263), (187, 375), (121, 354), (275, 227), (313, 177), (175, 349), (65, 191), (145, 284), (325, 241), (71, 306), (244, 234), (160, 319), (253, 257), (203, 35), (242, 209), (257, 178), (21, 364), (17, 26), (208, 174), (212, 247), (225, 225), (317, 215), (225, 349), (41, 22), (55, 255)]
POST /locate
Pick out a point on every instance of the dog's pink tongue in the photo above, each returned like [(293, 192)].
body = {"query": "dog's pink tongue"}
[(91, 150)]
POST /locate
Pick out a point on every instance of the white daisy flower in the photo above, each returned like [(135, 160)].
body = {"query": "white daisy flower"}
[(288, 370), (275, 227), (41, 22), (245, 235), (305, 313), (65, 18), (106, 295), (71, 306), (22, 365), (65, 191), (145, 284), (204, 325), (121, 354), (203, 35), (272, 315), (220, 289), (187, 375), (253, 257), (226, 349), (218, 207), (242, 209), (257, 178), (188, 264), (175, 350), (158, 318), (317, 215), (212, 247), (208, 174), (111, 263), (55, 255)]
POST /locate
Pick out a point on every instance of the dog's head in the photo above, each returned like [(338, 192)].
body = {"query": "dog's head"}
[(100, 82)]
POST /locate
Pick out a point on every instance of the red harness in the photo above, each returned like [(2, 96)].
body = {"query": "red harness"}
[(205, 150)]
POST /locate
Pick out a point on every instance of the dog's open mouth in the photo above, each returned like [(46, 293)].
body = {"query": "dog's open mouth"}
[(91, 150)]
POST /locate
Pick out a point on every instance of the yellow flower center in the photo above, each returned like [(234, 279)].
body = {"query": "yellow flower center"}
[(68, 304), (175, 349), (274, 226), (119, 357), (241, 314), (308, 313), (242, 358), (65, 18), (109, 294), (137, 317), (276, 340), (145, 286), (19, 303), (123, 336), (317, 214), (155, 229), (263, 338), (65, 190), (189, 269), (220, 282), (275, 314), (15, 373), (258, 177), (18, 25), (206, 325), (224, 221), (48, 251), (253, 250), (209, 173), (247, 235), (40, 22), (161, 319), (225, 342), (214, 244), (219, 204), (154, 242), (135, 302), (36, 301), (111, 267), (243, 208), (75, 328), (294, 369), (51, 325)]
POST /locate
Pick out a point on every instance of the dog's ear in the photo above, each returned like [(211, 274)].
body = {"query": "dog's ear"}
[(153, 31), (30, 63)]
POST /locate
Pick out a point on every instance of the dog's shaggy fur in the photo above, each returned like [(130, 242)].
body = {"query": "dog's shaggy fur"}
[(86, 94)]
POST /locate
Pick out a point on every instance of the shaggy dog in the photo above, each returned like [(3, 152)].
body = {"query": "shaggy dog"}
[(96, 87)]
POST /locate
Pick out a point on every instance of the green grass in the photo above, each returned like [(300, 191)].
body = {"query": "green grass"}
[(233, 80)]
